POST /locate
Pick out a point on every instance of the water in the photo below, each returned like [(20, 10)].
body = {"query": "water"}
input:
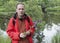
[(50, 32), (3, 33)]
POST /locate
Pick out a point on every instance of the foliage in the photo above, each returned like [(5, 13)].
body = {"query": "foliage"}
[(32, 8), (4, 40), (56, 39)]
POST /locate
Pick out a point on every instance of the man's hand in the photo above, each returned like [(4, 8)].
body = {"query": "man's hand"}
[(28, 32), (22, 35)]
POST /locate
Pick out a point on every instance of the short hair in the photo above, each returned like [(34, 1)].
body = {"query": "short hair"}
[(19, 3)]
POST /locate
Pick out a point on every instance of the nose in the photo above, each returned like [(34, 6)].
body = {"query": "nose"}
[(21, 11)]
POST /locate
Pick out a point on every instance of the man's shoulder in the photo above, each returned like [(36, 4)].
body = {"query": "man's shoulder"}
[(11, 18), (29, 17)]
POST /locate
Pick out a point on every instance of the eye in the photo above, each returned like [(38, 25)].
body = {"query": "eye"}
[(21, 9)]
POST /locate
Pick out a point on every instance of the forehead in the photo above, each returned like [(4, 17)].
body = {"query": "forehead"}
[(20, 6)]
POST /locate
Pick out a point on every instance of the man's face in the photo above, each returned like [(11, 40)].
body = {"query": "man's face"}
[(20, 9)]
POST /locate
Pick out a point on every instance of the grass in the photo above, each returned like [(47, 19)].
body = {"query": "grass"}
[(56, 39), (4, 40)]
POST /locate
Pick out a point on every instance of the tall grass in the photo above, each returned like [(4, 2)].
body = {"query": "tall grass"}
[(4, 40), (56, 39)]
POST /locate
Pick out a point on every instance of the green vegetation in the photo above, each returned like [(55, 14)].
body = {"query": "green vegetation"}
[(56, 39), (33, 8), (4, 40)]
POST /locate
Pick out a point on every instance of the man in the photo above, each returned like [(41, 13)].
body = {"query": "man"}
[(20, 27)]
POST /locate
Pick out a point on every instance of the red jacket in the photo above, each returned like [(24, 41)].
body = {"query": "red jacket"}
[(12, 30)]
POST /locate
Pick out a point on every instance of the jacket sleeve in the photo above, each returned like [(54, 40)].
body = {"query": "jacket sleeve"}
[(11, 32), (32, 29)]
